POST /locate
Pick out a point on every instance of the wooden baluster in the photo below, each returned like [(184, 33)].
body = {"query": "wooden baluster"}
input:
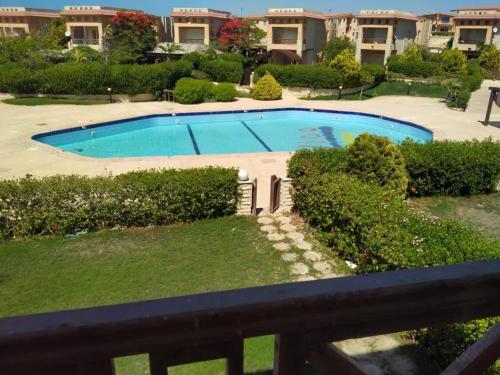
[(289, 354), (234, 360), (106, 367)]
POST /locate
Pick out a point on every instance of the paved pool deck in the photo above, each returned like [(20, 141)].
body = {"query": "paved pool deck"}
[(20, 155)]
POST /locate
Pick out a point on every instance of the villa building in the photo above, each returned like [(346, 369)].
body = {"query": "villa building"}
[(19, 21), (87, 24), (197, 25), (475, 26), (440, 22), (342, 25), (295, 35), (382, 33)]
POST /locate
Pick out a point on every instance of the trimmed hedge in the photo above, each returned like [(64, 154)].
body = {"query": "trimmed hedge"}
[(69, 204), (225, 92), (267, 88), (313, 76), (92, 78), (423, 69), (221, 70), (193, 91), (452, 167)]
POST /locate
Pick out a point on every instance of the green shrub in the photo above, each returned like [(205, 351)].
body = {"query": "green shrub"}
[(225, 92), (313, 76), (192, 91), (377, 72), (412, 54), (69, 204), (267, 89), (221, 70), (377, 160), (490, 58), (335, 46), (452, 167), (345, 63), (315, 162), (424, 69), (453, 62), (18, 79), (193, 58)]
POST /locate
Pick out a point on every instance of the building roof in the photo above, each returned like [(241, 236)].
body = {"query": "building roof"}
[(200, 12), (95, 10), (477, 8), (491, 16), (33, 12), (386, 14), (437, 14), (339, 15), (294, 12)]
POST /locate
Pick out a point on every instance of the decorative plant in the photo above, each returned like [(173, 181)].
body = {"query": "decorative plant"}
[(267, 88)]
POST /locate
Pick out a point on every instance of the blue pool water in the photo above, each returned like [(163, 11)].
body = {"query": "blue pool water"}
[(227, 133)]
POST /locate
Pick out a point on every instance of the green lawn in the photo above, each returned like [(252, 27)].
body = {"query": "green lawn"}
[(46, 101), (138, 264), (481, 211), (392, 88)]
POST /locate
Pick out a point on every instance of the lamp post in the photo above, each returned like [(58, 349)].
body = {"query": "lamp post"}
[(110, 96), (409, 88), (340, 92)]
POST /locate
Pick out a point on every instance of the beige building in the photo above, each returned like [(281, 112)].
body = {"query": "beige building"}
[(474, 26), (198, 25), (87, 24), (440, 22), (341, 25), (19, 21), (295, 35), (382, 33)]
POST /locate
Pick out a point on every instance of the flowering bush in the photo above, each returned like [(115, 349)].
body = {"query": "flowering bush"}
[(240, 35), (68, 204)]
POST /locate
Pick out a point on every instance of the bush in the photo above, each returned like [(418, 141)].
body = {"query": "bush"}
[(315, 162), (412, 54), (453, 62), (93, 78), (424, 69), (490, 58), (335, 46), (221, 70), (69, 204), (225, 92), (193, 58), (192, 91), (374, 71), (377, 160), (452, 167), (267, 89), (345, 63), (313, 76)]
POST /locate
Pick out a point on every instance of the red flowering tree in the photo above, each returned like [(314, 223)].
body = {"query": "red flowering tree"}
[(133, 35), (239, 35)]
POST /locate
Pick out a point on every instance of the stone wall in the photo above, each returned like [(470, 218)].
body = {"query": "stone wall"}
[(245, 205), (286, 202)]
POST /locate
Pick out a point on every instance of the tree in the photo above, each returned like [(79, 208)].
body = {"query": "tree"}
[(170, 49), (55, 37), (239, 35), (345, 63), (335, 46), (412, 54), (453, 62), (490, 58), (132, 37)]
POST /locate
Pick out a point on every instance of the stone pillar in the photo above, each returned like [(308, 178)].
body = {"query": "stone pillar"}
[(247, 191), (286, 202)]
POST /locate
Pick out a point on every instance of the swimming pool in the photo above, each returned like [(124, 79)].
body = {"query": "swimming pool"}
[(232, 132)]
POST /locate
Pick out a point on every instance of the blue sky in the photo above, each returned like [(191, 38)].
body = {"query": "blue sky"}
[(163, 7)]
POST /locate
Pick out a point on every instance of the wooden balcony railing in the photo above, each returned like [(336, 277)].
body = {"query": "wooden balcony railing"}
[(305, 317)]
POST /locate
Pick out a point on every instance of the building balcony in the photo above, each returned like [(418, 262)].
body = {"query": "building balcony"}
[(85, 41), (374, 40), (192, 40), (304, 317)]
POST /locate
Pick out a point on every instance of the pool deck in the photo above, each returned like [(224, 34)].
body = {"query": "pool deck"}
[(20, 155)]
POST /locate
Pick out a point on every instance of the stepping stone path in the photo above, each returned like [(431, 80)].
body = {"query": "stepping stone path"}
[(307, 265)]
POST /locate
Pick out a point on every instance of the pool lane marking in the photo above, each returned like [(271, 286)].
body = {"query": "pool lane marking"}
[(193, 140), (257, 137)]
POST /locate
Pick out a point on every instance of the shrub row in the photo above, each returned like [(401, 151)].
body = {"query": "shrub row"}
[(193, 91), (69, 204), (316, 76), (221, 70), (92, 78), (423, 69), (434, 168)]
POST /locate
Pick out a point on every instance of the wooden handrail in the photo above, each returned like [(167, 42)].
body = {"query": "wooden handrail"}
[(316, 311)]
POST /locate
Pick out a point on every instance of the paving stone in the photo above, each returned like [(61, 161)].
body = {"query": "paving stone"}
[(322, 267), (265, 220), (313, 256), (268, 228), (303, 245), (284, 219), (288, 228), (282, 246), (300, 269), (275, 237), (296, 236), (289, 257)]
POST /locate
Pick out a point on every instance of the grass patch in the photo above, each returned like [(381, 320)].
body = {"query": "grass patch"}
[(48, 101), (392, 88), (481, 211), (138, 264)]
